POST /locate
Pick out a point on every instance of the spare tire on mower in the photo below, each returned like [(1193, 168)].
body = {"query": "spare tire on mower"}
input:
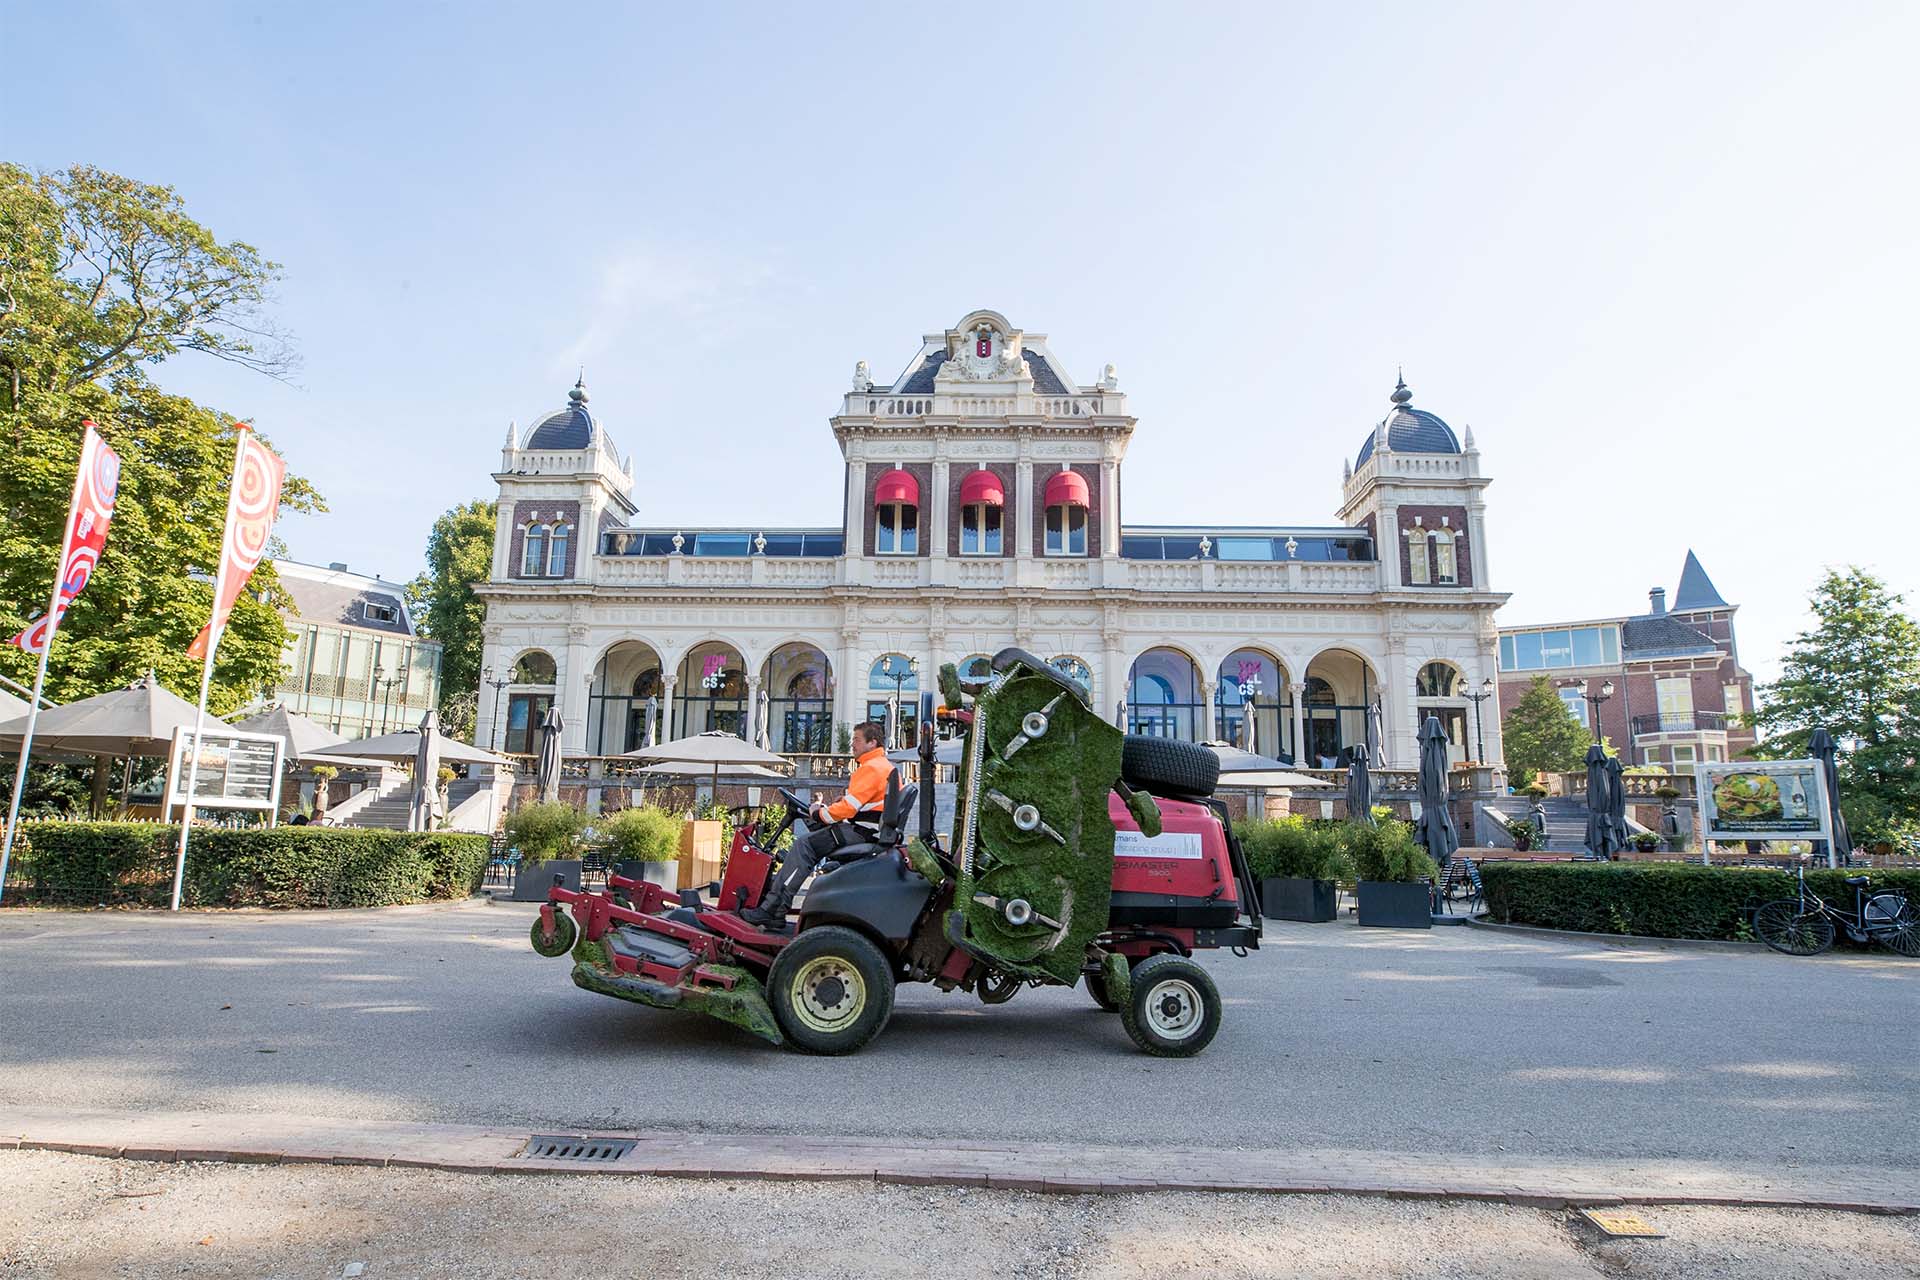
[(1168, 766)]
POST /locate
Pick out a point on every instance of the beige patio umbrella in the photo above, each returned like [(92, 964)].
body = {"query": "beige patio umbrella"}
[(135, 721), (404, 745), (303, 737), (713, 749), (11, 708)]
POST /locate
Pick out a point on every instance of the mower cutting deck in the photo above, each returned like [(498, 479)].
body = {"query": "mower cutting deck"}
[(1075, 854)]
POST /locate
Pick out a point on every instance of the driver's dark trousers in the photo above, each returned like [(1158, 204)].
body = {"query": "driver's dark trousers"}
[(805, 855)]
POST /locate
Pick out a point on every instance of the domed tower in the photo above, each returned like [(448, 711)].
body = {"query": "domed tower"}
[(560, 484), (1418, 490)]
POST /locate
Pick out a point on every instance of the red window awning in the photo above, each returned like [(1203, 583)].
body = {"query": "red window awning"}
[(1066, 489), (897, 486), (982, 487)]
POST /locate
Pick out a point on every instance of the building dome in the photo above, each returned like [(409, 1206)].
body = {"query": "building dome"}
[(570, 428), (1409, 430)]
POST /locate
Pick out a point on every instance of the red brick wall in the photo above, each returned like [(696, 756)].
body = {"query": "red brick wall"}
[(957, 474), (523, 514), (922, 472), (1430, 519), (1045, 471)]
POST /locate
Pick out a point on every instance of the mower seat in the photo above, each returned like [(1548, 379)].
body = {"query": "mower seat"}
[(893, 826)]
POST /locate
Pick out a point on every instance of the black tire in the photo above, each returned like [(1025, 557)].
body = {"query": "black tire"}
[(564, 933), (997, 988), (1097, 988), (1788, 928), (1168, 766), (1174, 1011), (1894, 924), (831, 990)]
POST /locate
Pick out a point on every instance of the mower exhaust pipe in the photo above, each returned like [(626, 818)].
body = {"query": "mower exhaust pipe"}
[(926, 769)]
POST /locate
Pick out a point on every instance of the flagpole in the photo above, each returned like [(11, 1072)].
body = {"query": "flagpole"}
[(40, 674), (214, 628)]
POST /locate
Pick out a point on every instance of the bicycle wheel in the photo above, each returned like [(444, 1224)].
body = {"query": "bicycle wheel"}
[(1785, 927), (1892, 921)]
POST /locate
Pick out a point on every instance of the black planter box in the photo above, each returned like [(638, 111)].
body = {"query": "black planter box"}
[(531, 882), (1394, 905), (1297, 898)]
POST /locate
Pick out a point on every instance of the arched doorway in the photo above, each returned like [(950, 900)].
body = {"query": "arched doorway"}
[(1253, 690), (1163, 696), (625, 700), (1440, 691), (798, 684), (530, 694), (1340, 710), (710, 691)]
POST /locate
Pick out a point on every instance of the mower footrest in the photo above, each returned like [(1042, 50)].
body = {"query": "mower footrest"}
[(648, 948)]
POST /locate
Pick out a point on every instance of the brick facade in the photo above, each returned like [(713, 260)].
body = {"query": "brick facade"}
[(544, 511), (1430, 518), (1096, 504)]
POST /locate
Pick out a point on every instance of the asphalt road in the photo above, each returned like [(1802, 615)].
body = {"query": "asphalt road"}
[(1335, 1037)]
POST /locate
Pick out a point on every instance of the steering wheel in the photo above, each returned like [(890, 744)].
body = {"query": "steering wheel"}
[(794, 802)]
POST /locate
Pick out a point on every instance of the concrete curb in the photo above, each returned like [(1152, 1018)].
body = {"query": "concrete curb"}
[(1072, 1170), (1616, 939)]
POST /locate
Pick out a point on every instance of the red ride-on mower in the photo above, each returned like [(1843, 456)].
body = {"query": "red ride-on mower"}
[(1075, 855)]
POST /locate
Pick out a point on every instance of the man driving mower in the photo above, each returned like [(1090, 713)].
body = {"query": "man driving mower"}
[(831, 826)]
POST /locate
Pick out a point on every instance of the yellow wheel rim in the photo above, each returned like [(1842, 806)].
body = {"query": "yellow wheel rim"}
[(828, 994)]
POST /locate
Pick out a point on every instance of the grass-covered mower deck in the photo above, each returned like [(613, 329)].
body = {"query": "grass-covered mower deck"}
[(1075, 854)]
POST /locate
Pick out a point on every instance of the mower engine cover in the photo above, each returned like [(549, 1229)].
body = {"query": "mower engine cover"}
[(1032, 836)]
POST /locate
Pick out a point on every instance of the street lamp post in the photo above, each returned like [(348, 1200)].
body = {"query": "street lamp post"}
[(900, 675), (386, 692), (1593, 703), (493, 727), (1479, 734), (379, 678)]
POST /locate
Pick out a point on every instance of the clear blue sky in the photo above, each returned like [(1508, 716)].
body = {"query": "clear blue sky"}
[(1661, 258)]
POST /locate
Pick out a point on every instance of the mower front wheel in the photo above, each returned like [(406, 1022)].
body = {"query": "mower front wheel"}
[(1097, 988), (1174, 1011), (560, 941), (831, 990)]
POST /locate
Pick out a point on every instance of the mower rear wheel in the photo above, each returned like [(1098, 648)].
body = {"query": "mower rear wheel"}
[(831, 990), (1175, 1009), (560, 941)]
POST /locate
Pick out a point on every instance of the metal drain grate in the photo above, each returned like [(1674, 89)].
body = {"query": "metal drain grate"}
[(550, 1146)]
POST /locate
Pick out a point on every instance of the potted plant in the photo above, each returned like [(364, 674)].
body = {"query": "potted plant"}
[(1646, 841), (1297, 865), (547, 838), (644, 844), (1520, 831), (1395, 876)]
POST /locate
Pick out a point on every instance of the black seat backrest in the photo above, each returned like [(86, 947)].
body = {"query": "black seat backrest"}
[(895, 812)]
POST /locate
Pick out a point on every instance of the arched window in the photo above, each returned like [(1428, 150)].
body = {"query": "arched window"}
[(557, 552), (978, 666), (1419, 570), (534, 667), (1445, 563), (533, 558), (982, 500), (1074, 669), (1432, 555), (1065, 499), (896, 517), (1437, 680)]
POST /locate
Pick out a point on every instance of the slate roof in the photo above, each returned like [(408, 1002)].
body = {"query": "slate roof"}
[(571, 428), (1045, 381), (1411, 430), (339, 605), (1696, 588), (1662, 634)]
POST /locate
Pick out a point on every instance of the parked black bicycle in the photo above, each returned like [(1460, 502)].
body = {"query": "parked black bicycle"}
[(1805, 925)]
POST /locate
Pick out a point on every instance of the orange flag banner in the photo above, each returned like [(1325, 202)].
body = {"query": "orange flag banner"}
[(251, 507)]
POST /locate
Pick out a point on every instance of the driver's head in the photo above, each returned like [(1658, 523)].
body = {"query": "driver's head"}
[(866, 736)]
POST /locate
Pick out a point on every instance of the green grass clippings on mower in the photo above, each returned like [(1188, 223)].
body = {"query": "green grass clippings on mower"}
[(1032, 835), (745, 1006)]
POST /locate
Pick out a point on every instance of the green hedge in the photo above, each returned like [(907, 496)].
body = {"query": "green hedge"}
[(1656, 900), (131, 864)]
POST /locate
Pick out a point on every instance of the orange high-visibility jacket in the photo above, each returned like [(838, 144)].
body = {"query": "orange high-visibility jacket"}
[(866, 789)]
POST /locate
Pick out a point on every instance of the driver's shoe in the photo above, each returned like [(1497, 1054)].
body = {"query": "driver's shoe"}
[(770, 914)]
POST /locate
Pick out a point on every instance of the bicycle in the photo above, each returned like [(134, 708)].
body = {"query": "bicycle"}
[(1805, 925)]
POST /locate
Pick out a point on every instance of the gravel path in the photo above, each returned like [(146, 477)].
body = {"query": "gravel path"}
[(81, 1218)]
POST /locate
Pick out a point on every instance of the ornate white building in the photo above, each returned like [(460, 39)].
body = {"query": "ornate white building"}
[(982, 508)]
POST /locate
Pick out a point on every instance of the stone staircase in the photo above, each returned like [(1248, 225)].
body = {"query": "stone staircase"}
[(389, 808), (1566, 820)]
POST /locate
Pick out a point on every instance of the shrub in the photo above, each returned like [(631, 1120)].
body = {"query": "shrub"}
[(646, 834), (1655, 900), (131, 863), (543, 831), (1521, 831), (1387, 852), (1293, 847)]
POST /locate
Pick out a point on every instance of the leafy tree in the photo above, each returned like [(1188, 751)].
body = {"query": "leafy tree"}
[(108, 278), (1541, 734), (1856, 674), (444, 608)]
